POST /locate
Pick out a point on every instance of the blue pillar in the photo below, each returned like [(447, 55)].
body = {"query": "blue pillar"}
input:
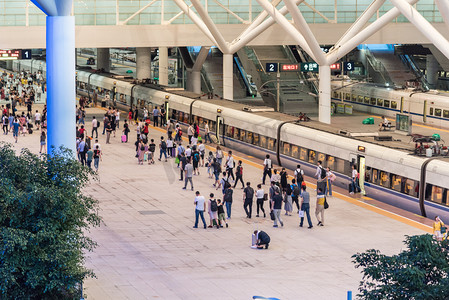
[(61, 100)]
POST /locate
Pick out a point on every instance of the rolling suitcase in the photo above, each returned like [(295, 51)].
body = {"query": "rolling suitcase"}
[(123, 138)]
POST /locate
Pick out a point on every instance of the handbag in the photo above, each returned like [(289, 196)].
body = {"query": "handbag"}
[(272, 215), (301, 214), (443, 229), (326, 205), (177, 160)]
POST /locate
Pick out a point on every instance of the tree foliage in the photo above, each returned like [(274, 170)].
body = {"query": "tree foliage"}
[(419, 272), (43, 219)]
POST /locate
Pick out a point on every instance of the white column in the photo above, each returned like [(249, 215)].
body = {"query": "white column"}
[(195, 81), (228, 76), (163, 65), (143, 62), (103, 59), (324, 110), (432, 67)]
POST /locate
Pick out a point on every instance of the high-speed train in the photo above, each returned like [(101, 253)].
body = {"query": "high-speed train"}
[(386, 174), (430, 107)]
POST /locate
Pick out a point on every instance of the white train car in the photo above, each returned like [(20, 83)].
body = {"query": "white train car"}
[(430, 107)]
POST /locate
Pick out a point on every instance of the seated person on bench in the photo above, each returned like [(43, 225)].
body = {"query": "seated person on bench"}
[(384, 124)]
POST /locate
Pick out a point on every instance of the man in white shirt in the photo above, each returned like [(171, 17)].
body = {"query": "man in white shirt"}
[(37, 119), (117, 118), (299, 175), (200, 207), (206, 133), (230, 166), (266, 168), (97, 144), (321, 176), (94, 127), (202, 150)]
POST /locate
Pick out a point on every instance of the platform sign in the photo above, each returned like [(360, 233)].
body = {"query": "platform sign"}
[(10, 54), (348, 66), (289, 67), (309, 67), (335, 67), (26, 54), (271, 67)]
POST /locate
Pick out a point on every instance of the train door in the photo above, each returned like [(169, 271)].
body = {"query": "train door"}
[(362, 171), (167, 115), (424, 113), (220, 130)]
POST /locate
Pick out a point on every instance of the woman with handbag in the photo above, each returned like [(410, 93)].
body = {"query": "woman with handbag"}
[(439, 230)]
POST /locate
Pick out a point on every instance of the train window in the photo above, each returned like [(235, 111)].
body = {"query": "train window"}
[(445, 113), (386, 103), (339, 165), (380, 102), (303, 154), (394, 104), (437, 112), (354, 97), (235, 133), (322, 157), (431, 111), (366, 100), (410, 187), (256, 139), (263, 141), (384, 179), (375, 176), (295, 151), (242, 135), (228, 130), (373, 101), (348, 96), (336, 95), (360, 99), (249, 137), (445, 197), (271, 144), (312, 157), (286, 149), (186, 118), (213, 126), (396, 182), (437, 194)]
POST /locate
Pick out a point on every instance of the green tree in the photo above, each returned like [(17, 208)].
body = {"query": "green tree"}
[(419, 272), (43, 219)]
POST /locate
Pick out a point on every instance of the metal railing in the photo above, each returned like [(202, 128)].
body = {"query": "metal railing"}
[(308, 78), (377, 66), (410, 63), (155, 12)]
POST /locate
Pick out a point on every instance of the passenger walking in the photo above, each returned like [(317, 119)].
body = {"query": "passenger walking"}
[(276, 207), (354, 180), (94, 127), (155, 117), (221, 214), (321, 177), (82, 149), (89, 157), (217, 171), (5, 123), (200, 207), (126, 130), (43, 142), (209, 162), (170, 147), (438, 228), (276, 178), (305, 207), (190, 133), (213, 211), (227, 199), (296, 191), (239, 175), (183, 162), (230, 165), (162, 149), (219, 154), (117, 118), (248, 195), (202, 151), (266, 168), (320, 207), (299, 175), (140, 152), (330, 179), (97, 157), (108, 132), (284, 181), (196, 161), (260, 198), (207, 133), (288, 206), (188, 169)]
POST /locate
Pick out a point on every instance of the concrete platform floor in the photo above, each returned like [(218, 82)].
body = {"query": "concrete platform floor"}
[(147, 248)]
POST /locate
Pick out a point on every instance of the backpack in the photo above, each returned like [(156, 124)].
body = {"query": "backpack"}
[(196, 157), (152, 147), (296, 190), (228, 195), (226, 184), (142, 148), (213, 205), (299, 176), (249, 193), (180, 132), (164, 145), (239, 170), (323, 173)]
